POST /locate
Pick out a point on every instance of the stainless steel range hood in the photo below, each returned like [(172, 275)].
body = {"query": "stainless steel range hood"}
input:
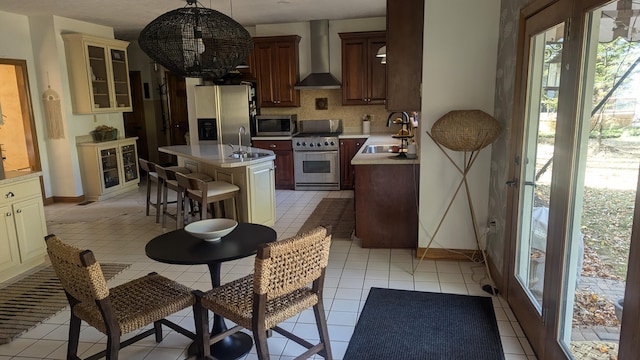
[(320, 77)]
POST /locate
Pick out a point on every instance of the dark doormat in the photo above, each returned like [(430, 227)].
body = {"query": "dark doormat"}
[(402, 324), (27, 302), (337, 212)]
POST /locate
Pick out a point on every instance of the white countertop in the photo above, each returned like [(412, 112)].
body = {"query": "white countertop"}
[(218, 155), (17, 176), (381, 158)]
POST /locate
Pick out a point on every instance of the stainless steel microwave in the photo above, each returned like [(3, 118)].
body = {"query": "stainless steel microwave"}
[(276, 125)]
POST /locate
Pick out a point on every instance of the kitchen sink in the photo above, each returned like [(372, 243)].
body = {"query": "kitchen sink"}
[(376, 149), (248, 155)]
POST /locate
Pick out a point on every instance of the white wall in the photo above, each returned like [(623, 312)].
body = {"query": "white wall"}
[(15, 43), (459, 67)]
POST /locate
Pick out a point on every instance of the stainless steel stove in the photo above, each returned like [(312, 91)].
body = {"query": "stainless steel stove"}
[(316, 157)]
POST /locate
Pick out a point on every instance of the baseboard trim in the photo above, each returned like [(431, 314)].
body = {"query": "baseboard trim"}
[(65, 199), (498, 280), (449, 254)]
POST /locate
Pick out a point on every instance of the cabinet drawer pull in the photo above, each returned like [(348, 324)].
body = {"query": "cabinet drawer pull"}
[(9, 195), (272, 145)]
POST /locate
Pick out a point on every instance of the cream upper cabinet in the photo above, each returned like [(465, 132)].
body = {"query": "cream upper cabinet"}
[(98, 74)]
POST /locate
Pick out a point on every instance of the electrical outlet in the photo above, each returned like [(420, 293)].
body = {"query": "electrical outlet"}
[(493, 223)]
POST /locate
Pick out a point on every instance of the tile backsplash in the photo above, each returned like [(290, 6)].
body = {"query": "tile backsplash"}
[(351, 115)]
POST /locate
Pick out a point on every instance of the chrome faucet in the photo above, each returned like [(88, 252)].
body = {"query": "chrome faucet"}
[(241, 131), (405, 117)]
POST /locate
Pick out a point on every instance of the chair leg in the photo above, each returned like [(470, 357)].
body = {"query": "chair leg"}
[(260, 340), (113, 346), (179, 209), (159, 201), (323, 331), (74, 337), (235, 209), (201, 320), (164, 205), (157, 326), (148, 195)]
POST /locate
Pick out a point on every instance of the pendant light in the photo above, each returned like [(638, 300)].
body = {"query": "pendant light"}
[(195, 41)]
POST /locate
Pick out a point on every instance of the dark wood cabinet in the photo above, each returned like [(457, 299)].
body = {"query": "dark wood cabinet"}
[(348, 149), (404, 54), (364, 78), (276, 69), (386, 205), (283, 162)]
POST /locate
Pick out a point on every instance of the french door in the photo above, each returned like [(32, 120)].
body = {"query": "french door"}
[(534, 170), (569, 254)]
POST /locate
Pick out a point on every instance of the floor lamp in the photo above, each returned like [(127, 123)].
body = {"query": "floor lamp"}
[(468, 131)]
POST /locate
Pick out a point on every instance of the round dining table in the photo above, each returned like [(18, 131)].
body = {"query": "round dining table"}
[(180, 247)]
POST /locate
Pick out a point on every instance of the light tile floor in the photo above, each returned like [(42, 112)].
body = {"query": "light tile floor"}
[(117, 230)]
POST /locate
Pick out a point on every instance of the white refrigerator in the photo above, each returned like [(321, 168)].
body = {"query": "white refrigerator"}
[(220, 112)]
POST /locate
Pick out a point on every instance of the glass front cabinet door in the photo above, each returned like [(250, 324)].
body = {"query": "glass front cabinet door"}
[(98, 74), (108, 168)]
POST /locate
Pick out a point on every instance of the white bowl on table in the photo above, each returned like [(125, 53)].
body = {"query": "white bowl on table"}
[(211, 229)]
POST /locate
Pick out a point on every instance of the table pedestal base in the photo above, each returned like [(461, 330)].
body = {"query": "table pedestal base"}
[(229, 348)]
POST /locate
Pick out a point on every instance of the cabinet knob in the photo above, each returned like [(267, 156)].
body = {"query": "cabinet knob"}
[(9, 195), (19, 211), (8, 214)]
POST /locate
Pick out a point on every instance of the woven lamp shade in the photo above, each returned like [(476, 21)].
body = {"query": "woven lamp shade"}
[(196, 42), (465, 130)]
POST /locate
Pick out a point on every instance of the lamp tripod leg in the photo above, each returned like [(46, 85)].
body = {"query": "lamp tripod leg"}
[(476, 233)]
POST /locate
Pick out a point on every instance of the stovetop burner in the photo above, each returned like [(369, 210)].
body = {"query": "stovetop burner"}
[(317, 135)]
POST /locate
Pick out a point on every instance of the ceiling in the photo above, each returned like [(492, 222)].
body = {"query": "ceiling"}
[(128, 17)]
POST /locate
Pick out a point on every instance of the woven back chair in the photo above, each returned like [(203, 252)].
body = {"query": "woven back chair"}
[(288, 278), (119, 310)]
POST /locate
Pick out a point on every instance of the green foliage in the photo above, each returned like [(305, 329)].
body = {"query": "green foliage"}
[(614, 133)]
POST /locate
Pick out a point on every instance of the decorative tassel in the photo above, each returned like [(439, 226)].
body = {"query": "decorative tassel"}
[(53, 114)]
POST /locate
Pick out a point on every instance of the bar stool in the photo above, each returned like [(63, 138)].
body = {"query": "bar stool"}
[(209, 193), (167, 176), (152, 177)]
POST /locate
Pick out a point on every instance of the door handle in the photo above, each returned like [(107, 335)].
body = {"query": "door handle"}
[(513, 182), (530, 183)]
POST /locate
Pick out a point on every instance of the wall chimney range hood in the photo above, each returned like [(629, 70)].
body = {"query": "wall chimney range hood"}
[(320, 77)]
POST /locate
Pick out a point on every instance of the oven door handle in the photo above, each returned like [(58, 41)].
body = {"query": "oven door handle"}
[(328, 152)]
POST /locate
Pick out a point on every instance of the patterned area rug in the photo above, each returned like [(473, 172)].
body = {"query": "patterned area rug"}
[(337, 212), (27, 302)]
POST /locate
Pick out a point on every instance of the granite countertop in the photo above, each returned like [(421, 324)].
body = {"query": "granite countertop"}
[(17, 176), (217, 155), (381, 158)]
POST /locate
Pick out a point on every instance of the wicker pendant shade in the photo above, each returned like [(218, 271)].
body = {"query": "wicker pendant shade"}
[(465, 130), (196, 42)]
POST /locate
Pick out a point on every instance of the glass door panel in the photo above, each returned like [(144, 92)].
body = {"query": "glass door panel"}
[(545, 55), (120, 77), (603, 189), (129, 163), (110, 173), (99, 75)]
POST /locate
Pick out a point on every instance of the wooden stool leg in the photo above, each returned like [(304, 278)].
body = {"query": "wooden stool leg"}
[(159, 201)]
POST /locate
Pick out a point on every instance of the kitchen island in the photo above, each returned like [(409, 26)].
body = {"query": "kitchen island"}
[(386, 196), (252, 171)]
